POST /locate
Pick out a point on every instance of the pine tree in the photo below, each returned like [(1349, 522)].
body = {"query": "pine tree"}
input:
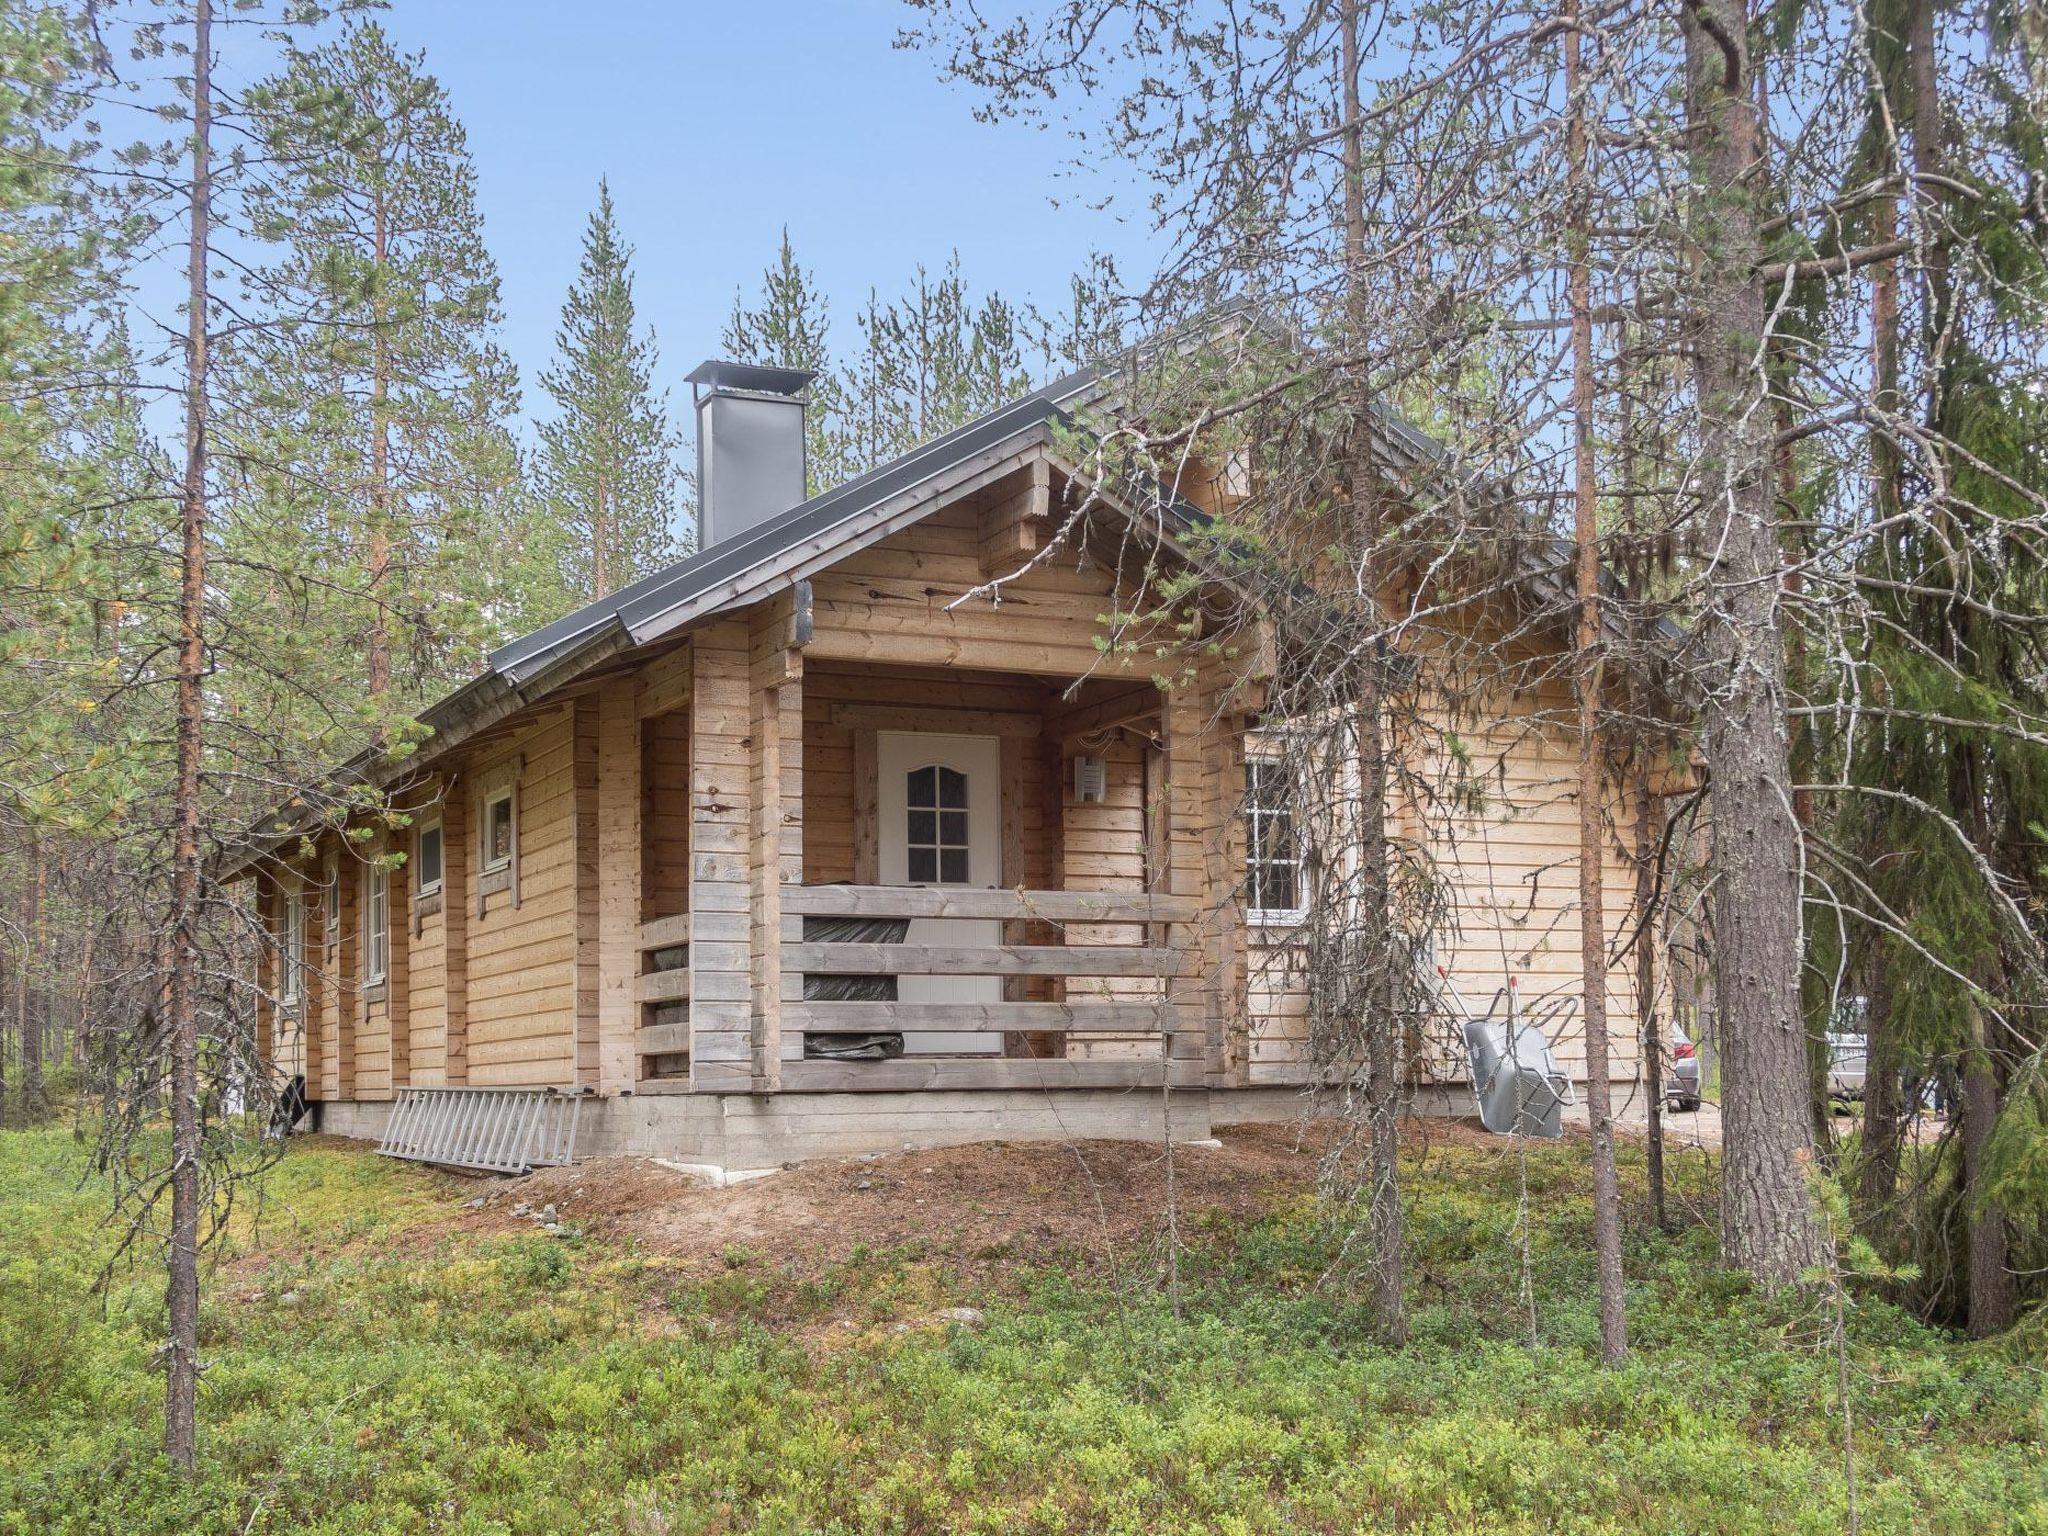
[(926, 363), (376, 421), (607, 471), (790, 327)]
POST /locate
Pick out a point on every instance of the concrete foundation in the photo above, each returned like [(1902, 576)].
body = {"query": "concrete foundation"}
[(735, 1131)]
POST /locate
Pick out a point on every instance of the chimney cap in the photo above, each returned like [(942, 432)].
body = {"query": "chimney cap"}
[(752, 377)]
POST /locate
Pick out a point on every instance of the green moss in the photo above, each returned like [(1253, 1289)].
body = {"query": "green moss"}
[(372, 1370)]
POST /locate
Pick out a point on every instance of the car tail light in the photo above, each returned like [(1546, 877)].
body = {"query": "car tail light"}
[(1682, 1051)]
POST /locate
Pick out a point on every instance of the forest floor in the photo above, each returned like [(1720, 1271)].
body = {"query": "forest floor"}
[(978, 1339)]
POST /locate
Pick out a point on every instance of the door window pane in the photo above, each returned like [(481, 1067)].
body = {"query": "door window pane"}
[(935, 826)]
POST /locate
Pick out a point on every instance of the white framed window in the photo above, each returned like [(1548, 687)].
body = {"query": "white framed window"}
[(1272, 845), (426, 857), (291, 947), (498, 834), (377, 926), (330, 897)]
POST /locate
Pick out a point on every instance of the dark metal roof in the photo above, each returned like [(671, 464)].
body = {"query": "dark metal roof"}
[(651, 604)]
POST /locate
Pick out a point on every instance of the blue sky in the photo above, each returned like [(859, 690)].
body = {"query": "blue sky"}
[(718, 125)]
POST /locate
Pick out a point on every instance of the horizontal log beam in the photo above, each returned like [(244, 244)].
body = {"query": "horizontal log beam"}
[(665, 932), (907, 717), (984, 959), (662, 1039), (963, 901), (942, 1073), (886, 1018), (664, 986)]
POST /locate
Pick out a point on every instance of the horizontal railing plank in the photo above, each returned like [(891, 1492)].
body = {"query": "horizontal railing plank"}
[(941, 1073), (985, 959), (966, 901), (661, 1039), (665, 986), (889, 1018), (664, 932)]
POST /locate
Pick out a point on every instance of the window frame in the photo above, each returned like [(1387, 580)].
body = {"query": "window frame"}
[(421, 885), (486, 864), (1256, 813), (942, 815), (291, 947), (377, 925)]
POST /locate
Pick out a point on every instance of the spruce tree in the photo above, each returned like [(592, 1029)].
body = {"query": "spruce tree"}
[(607, 471)]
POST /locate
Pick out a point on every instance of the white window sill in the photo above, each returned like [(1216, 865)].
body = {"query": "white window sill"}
[(1262, 917)]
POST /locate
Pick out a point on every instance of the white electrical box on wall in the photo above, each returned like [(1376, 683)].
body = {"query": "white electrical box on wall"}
[(1091, 781)]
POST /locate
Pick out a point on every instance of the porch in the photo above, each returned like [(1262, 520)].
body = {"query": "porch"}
[(808, 924)]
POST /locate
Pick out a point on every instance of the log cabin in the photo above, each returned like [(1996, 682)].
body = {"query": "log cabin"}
[(808, 845)]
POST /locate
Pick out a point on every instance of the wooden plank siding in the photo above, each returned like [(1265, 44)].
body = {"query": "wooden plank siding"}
[(721, 768), (522, 952), (1509, 863)]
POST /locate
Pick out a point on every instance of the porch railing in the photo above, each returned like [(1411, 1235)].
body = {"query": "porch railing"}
[(1119, 977), (1129, 984)]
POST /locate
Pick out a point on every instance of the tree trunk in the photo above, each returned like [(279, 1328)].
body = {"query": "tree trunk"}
[(1587, 675), (380, 468), (35, 992), (1884, 1112), (1382, 1057), (1994, 1299), (181, 1394), (1648, 1028), (1884, 1118), (1767, 1218)]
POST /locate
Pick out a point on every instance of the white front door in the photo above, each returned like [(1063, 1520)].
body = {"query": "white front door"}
[(940, 823)]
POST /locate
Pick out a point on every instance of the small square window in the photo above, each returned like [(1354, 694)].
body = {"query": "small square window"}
[(426, 858), (953, 866), (924, 865)]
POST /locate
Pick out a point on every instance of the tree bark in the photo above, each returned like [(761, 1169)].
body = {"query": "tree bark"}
[(1587, 675), (181, 1394), (1768, 1227), (35, 992), (1884, 1112), (1648, 1028), (380, 465), (1885, 1117), (1382, 1057)]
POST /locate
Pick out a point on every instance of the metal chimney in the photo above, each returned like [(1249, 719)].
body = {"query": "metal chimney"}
[(750, 446)]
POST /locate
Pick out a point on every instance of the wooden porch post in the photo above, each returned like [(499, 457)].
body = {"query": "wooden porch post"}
[(775, 817), (313, 980), (587, 987), (1188, 808), (721, 962), (270, 908), (1229, 1011), (458, 856), (618, 884), (348, 970), (398, 971)]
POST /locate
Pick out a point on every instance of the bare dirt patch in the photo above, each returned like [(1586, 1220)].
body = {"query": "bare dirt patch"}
[(1096, 1204)]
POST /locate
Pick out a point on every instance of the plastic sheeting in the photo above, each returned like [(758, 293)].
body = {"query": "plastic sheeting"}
[(853, 989)]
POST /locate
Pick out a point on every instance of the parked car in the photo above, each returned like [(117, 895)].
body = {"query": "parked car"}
[(1682, 1087), (1846, 1056)]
